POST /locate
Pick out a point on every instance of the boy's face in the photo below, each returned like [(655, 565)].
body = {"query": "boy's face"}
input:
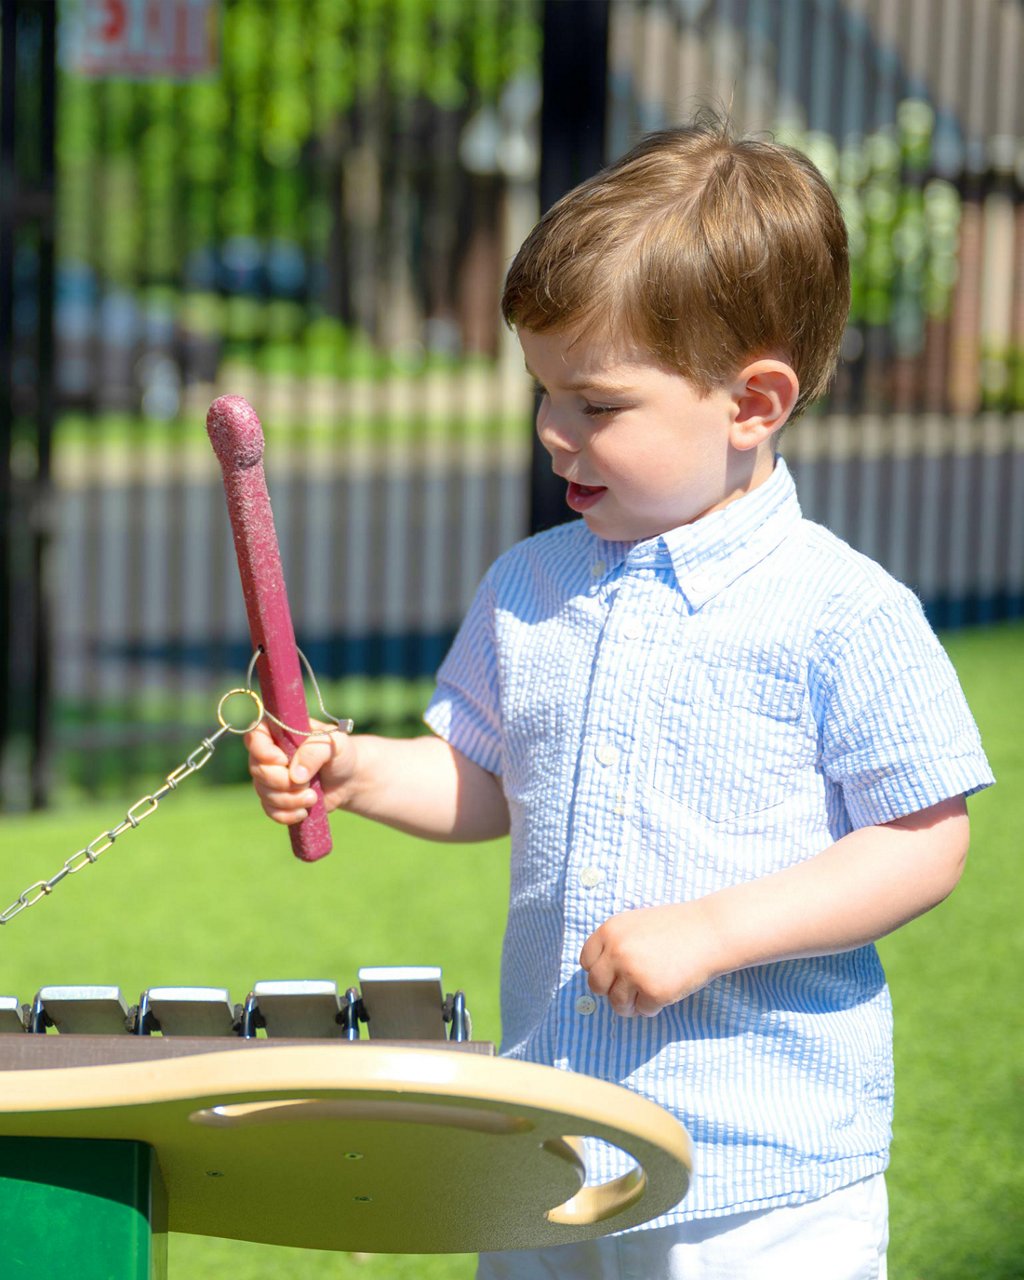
[(641, 450)]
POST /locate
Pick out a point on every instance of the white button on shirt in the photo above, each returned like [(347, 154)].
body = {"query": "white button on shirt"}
[(591, 877), (586, 1005), (789, 692)]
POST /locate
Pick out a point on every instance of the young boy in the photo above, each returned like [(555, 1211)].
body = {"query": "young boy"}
[(729, 749)]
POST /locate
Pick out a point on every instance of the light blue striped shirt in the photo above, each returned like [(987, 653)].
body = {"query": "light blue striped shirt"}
[(674, 716)]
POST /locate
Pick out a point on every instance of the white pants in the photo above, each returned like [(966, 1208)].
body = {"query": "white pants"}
[(842, 1236)]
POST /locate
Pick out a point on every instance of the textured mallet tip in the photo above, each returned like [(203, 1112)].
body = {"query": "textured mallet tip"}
[(235, 432)]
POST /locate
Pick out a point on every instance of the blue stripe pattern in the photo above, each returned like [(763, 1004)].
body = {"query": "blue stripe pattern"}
[(678, 715)]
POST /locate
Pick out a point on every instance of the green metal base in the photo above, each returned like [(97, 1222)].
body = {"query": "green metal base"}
[(82, 1208)]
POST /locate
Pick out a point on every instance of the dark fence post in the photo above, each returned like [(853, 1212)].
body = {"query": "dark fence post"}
[(43, 503), (574, 79), (27, 139), (8, 79)]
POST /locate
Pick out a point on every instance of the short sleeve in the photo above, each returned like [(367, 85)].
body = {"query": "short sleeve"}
[(464, 709), (896, 732)]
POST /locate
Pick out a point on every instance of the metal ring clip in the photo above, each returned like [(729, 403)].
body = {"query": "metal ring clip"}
[(226, 724)]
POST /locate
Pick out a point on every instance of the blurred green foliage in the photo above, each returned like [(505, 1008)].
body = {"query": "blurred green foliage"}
[(233, 143), (903, 222), (153, 172)]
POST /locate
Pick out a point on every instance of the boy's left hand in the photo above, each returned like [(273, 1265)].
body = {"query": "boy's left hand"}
[(645, 959)]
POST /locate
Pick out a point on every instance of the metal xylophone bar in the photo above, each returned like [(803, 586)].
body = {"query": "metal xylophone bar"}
[(395, 1003), (12, 1017)]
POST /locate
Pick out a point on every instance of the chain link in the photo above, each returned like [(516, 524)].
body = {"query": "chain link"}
[(139, 812), (146, 806)]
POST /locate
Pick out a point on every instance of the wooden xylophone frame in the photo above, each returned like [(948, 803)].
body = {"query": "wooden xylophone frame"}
[(108, 1142)]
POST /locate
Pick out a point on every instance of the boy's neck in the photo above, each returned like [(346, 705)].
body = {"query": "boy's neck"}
[(745, 473)]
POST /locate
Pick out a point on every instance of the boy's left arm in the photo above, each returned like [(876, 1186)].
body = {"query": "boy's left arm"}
[(862, 887)]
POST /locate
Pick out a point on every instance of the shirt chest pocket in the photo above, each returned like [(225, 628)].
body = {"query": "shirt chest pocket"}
[(731, 742)]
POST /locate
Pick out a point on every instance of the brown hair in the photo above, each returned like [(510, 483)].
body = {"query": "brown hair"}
[(703, 250)]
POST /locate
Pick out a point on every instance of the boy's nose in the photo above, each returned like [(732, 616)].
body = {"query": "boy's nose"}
[(555, 434)]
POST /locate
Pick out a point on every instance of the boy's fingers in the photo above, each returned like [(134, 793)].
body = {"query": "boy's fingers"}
[(591, 952), (287, 817), (298, 769), (272, 778), (262, 748), (281, 800), (622, 996), (277, 789), (282, 782), (310, 758)]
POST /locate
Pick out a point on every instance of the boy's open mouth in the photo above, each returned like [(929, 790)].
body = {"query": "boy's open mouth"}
[(580, 497)]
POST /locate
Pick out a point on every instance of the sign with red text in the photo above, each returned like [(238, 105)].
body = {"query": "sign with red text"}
[(142, 39)]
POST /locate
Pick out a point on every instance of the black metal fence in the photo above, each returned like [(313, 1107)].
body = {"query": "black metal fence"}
[(313, 205), (319, 221), (914, 109)]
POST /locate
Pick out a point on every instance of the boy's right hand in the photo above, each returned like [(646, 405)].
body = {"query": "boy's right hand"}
[(283, 785), (419, 785)]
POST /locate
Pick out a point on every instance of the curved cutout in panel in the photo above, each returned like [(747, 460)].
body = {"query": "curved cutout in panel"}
[(237, 1115), (594, 1203)]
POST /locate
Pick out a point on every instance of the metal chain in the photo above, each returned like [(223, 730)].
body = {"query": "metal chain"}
[(140, 810)]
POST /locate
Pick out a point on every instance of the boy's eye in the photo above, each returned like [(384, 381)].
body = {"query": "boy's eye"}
[(599, 410)]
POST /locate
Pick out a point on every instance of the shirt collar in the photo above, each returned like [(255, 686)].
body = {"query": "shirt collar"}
[(711, 553)]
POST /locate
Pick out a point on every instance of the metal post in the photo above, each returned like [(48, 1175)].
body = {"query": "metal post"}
[(8, 53), (27, 129), (27, 138), (43, 505), (574, 78)]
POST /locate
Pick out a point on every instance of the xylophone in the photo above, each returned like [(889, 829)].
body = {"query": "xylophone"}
[(406, 1003), (411, 1139)]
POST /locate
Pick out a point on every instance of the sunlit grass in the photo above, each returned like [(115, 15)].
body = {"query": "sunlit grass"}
[(956, 1184), (207, 893)]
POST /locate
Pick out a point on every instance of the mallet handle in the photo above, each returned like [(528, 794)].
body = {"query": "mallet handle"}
[(237, 439)]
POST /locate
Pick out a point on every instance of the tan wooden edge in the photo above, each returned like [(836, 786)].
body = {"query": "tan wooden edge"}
[(425, 1096)]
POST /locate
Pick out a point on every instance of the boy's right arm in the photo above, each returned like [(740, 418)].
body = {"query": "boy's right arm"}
[(419, 785)]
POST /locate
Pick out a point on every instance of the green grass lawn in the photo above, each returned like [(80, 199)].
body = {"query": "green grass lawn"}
[(207, 893), (956, 1186)]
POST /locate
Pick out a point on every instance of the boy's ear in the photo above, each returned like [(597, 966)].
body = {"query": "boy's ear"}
[(765, 392)]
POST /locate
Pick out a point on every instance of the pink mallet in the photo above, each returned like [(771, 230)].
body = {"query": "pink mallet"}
[(237, 439)]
